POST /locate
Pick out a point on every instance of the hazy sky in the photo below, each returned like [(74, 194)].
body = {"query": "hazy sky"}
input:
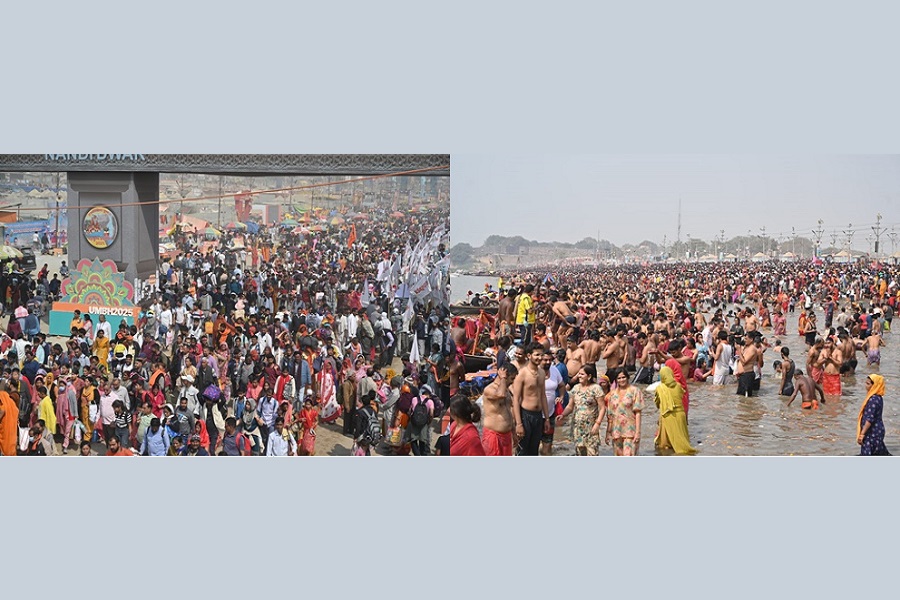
[(630, 198)]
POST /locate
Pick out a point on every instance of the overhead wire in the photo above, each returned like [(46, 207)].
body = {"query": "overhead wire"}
[(250, 192)]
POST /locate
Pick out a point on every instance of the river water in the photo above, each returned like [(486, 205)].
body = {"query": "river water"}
[(461, 284), (724, 424)]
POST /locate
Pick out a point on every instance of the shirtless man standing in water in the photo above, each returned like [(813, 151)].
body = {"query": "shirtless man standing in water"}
[(575, 358), (530, 403), (874, 343), (847, 351), (748, 359), (830, 359), (752, 323), (614, 354), (506, 317), (561, 309), (808, 389), (592, 348), (812, 361), (644, 374), (498, 415)]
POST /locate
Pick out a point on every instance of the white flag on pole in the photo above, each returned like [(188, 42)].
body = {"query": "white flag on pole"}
[(365, 299), (414, 351), (421, 289)]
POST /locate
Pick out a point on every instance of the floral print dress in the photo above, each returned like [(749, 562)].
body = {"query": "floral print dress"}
[(587, 409), (622, 404)]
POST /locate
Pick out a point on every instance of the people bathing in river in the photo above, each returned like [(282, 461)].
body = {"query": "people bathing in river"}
[(643, 318)]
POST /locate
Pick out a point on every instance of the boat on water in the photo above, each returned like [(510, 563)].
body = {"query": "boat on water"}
[(467, 309)]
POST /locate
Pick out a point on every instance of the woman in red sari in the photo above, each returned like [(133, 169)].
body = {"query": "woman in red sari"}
[(309, 419), (464, 438)]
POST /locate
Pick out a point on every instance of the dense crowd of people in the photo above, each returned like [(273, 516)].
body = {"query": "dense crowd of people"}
[(578, 343), (248, 346)]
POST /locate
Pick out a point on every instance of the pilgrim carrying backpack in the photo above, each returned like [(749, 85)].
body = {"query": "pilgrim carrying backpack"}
[(419, 416), (373, 435)]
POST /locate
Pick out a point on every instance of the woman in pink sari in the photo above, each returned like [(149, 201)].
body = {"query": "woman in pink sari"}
[(765, 318), (779, 322), (331, 410)]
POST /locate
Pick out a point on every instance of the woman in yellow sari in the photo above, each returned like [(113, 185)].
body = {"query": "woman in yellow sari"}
[(89, 394), (673, 431), (46, 411)]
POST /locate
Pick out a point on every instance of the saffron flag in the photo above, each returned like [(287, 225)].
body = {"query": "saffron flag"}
[(352, 238)]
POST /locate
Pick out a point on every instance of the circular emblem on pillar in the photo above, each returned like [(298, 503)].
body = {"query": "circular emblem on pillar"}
[(100, 227)]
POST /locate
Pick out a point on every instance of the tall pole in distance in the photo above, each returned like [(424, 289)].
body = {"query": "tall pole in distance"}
[(678, 239), (878, 231), (58, 200), (818, 233), (849, 233)]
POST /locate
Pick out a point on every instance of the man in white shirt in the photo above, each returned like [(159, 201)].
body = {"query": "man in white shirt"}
[(21, 346), (103, 325), (352, 325), (707, 335), (166, 317), (278, 445), (122, 392), (341, 323), (196, 329), (264, 340), (180, 315), (189, 392), (107, 412)]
